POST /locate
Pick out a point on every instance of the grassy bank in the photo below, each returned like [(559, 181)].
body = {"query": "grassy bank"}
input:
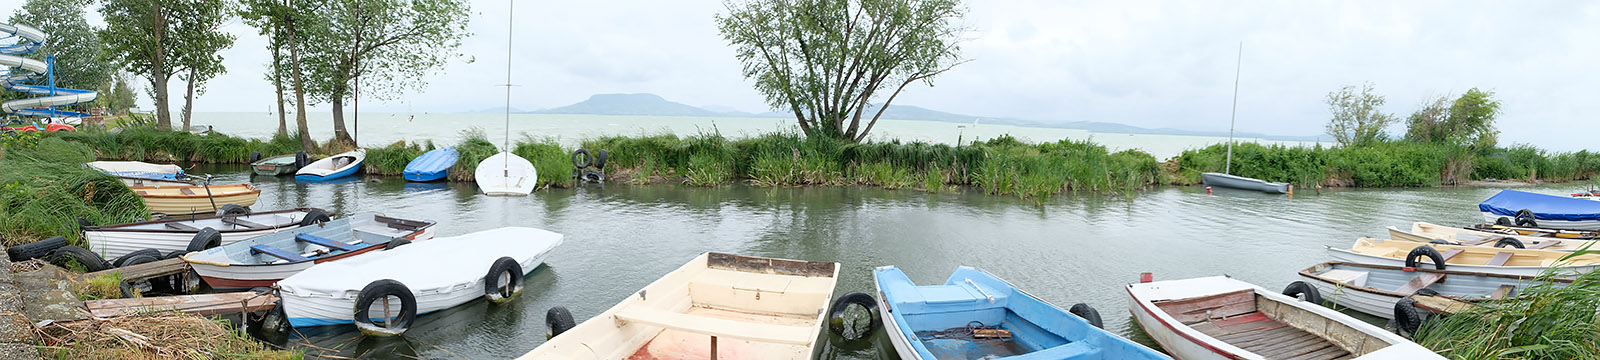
[(45, 188), (1386, 164), (1543, 322), (154, 336)]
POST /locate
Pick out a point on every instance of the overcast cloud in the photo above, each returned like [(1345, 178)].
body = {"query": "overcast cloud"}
[(1146, 63)]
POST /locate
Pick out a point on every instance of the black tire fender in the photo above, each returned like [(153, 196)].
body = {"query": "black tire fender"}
[(301, 159), (254, 157), (1407, 317), (140, 258), (1505, 221), (121, 261), (90, 261), (378, 290), (581, 158), (205, 239), (559, 320), (233, 209), (84, 225), (276, 320), (836, 313), (1304, 291), (1088, 313), (396, 243), (315, 216), (1424, 250), (37, 249), (600, 159), (1525, 218), (509, 269), (1508, 241), (1426, 292)]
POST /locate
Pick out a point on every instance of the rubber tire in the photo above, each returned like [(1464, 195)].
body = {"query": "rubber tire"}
[(279, 320), (1407, 317), (124, 258), (1513, 242), (174, 254), (491, 290), (600, 159), (1525, 218), (301, 159), (314, 217), (37, 249), (396, 243), (581, 154), (233, 209), (1424, 250), (1441, 242), (378, 290), (84, 224), (559, 320), (1426, 292), (836, 313), (205, 239), (137, 259), (1299, 288), (1504, 221), (254, 157), (91, 262), (1088, 313)]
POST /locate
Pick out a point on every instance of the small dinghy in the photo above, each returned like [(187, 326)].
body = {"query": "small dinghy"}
[(333, 167), (1374, 289), (166, 236), (975, 315), (279, 165), (1243, 183), (393, 287), (1222, 318), (1552, 241), (136, 173), (506, 174), (432, 165), (195, 199), (743, 307), (263, 260), (1541, 210), (1509, 261)]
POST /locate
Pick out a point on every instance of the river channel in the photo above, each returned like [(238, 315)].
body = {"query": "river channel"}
[(1072, 248)]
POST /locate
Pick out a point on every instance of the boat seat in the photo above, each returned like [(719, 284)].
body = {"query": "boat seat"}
[(234, 220), (400, 224), (325, 242), (1499, 259), (1418, 283), (1503, 291), (948, 294), (757, 332), (186, 191), (1451, 253), (1072, 350), (277, 253), (181, 226)]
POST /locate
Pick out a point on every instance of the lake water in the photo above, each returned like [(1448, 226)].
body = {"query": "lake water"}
[(379, 129), (1069, 249)]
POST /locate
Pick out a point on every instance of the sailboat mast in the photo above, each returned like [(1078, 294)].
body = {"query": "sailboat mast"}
[(510, 27), (1238, 65)]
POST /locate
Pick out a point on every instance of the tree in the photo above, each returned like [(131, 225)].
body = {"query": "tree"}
[(1356, 119), (69, 37), (1467, 121), (157, 39), (387, 45), (268, 17), (116, 96), (202, 38), (827, 60)]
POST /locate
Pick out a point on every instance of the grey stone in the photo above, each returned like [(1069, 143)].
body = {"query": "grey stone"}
[(13, 351), (14, 328)]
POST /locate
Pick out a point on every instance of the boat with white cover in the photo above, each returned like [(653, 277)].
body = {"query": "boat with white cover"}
[(506, 174), (415, 279), (1374, 289), (111, 241), (263, 260), (138, 173), (1221, 318)]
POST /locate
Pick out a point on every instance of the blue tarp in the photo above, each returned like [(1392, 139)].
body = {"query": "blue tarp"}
[(1544, 207)]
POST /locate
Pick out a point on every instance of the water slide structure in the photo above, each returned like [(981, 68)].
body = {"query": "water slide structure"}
[(21, 75)]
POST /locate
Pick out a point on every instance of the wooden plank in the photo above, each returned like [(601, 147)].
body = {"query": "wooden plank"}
[(750, 331), (1479, 241), (1441, 305), (203, 304), (1451, 253), (400, 224), (1502, 291), (181, 226), (1202, 308), (143, 271), (242, 222), (1499, 259), (1544, 244), (1419, 282), (186, 191)]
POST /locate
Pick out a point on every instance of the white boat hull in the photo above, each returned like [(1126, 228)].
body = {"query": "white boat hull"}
[(1175, 345), (506, 174), (112, 244), (1374, 304)]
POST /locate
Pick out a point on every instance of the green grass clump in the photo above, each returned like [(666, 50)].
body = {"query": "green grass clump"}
[(549, 159), (474, 147), (1386, 164), (392, 159), (45, 188), (1544, 321), (108, 286)]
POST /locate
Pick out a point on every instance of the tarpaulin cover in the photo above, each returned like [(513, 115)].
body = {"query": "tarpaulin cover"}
[(1544, 207)]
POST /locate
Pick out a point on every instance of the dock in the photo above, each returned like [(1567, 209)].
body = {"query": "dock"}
[(144, 271), (202, 304)]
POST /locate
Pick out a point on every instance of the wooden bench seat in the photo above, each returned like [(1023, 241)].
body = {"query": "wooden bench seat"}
[(277, 253), (757, 332), (1418, 283), (181, 226), (400, 224), (1499, 259), (1451, 253), (325, 242), (1544, 244), (234, 220)]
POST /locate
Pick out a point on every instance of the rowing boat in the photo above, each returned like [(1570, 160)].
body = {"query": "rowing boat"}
[(112, 241), (1426, 232), (742, 306), (1222, 318), (263, 260), (975, 315), (277, 165), (1374, 289), (136, 173), (195, 199), (1509, 261), (332, 167), (1243, 183)]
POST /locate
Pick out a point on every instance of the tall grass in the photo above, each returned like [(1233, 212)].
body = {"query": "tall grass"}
[(1544, 321), (392, 159), (44, 188), (549, 160), (474, 147), (1386, 164)]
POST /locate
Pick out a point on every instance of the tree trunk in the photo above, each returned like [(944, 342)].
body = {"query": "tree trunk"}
[(158, 72), (277, 82), (188, 101), (339, 133), (299, 86)]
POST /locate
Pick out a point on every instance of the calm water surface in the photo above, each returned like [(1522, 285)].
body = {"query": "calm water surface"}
[(1070, 249)]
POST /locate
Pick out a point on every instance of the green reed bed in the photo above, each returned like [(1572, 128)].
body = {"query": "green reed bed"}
[(392, 159), (1386, 164), (550, 161), (1543, 322), (474, 147), (45, 188)]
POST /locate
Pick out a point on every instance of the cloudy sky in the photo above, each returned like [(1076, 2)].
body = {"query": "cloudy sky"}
[(1147, 63)]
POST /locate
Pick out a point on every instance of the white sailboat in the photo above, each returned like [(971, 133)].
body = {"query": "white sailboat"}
[(506, 174), (1225, 178)]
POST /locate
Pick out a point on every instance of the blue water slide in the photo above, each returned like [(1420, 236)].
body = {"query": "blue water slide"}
[(21, 75)]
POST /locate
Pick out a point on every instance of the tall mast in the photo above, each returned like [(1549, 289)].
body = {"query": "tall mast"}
[(1228, 167), (510, 27)]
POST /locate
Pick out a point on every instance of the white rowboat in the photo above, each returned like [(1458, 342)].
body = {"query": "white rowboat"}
[(506, 174), (1374, 289), (112, 241), (263, 260)]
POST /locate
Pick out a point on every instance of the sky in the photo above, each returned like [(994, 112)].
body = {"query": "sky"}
[(1152, 64)]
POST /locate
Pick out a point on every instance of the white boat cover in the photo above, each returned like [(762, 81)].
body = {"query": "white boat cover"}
[(428, 266), (134, 167), (506, 174)]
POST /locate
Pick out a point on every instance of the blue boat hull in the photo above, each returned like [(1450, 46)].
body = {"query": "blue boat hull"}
[(919, 320), (433, 165), (336, 175)]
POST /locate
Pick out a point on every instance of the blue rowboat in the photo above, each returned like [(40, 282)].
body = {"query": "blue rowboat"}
[(333, 167), (433, 165), (975, 315)]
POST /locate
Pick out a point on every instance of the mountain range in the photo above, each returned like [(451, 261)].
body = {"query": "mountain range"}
[(654, 105)]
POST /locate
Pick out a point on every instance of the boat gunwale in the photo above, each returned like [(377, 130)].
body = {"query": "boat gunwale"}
[(1161, 317), (124, 226), (1309, 273), (408, 236), (251, 190)]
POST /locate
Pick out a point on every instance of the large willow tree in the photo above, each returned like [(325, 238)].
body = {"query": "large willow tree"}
[(828, 60)]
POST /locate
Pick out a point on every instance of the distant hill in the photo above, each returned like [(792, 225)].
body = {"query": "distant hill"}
[(630, 104), (653, 105)]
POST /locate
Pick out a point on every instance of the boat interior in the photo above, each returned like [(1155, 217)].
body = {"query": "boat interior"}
[(257, 221), (1269, 328), (1399, 281), (332, 238), (1469, 255)]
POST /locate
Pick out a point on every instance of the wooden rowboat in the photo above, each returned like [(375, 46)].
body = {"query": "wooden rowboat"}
[(1222, 318), (263, 260), (194, 199), (1374, 289), (1509, 261), (276, 165), (1427, 232), (745, 307), (169, 235)]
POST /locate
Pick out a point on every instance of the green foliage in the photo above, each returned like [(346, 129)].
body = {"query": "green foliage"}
[(1357, 120), (118, 95), (1468, 121), (1386, 164), (474, 147), (392, 159), (156, 39), (70, 38), (1543, 322), (46, 187), (826, 61), (549, 160), (108, 286)]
